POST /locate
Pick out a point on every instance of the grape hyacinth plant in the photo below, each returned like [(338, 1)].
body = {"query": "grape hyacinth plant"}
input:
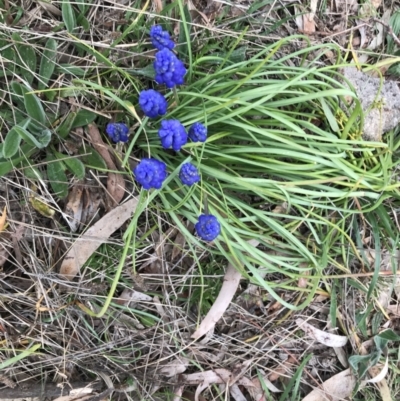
[(152, 103), (169, 69), (150, 173), (197, 132), (160, 39), (172, 134), (189, 174), (208, 227), (117, 132)]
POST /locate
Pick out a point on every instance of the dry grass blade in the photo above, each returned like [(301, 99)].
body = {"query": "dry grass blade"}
[(84, 247)]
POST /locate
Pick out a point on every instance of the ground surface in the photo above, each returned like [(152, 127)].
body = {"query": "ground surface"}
[(306, 273)]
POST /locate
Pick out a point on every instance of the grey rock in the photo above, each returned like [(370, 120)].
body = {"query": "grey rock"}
[(382, 108)]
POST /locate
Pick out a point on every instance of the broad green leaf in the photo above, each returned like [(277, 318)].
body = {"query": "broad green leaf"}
[(26, 151), (34, 108), (92, 158), (65, 127), (18, 92), (44, 138), (38, 141), (68, 15), (389, 335), (33, 173), (74, 165), (6, 167), (26, 58), (47, 63), (11, 143), (57, 177), (83, 22), (83, 6), (82, 118)]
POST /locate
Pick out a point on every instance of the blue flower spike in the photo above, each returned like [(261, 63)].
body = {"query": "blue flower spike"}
[(208, 227), (117, 132), (189, 174), (150, 173), (169, 69), (160, 39), (198, 132), (152, 103), (172, 134)]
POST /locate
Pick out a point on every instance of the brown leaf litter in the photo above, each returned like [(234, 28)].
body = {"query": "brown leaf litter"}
[(96, 235)]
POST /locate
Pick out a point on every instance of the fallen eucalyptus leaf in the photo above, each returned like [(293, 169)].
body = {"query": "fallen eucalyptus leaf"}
[(86, 245), (231, 282), (328, 339)]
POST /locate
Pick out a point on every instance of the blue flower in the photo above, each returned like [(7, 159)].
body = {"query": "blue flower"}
[(118, 132), (152, 103), (150, 173), (172, 134), (207, 227), (160, 39), (189, 174), (198, 132), (169, 69)]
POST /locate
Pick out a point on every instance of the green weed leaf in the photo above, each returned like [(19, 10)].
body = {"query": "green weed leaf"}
[(26, 58), (65, 127), (389, 335), (82, 118), (56, 176), (68, 16), (74, 165), (11, 143), (92, 158), (34, 108), (47, 63), (27, 136)]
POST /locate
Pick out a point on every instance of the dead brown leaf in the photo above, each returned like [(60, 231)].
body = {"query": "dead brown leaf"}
[(323, 337), (336, 388), (88, 243), (158, 6), (3, 219), (115, 182), (282, 369), (73, 208), (179, 245), (231, 282)]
